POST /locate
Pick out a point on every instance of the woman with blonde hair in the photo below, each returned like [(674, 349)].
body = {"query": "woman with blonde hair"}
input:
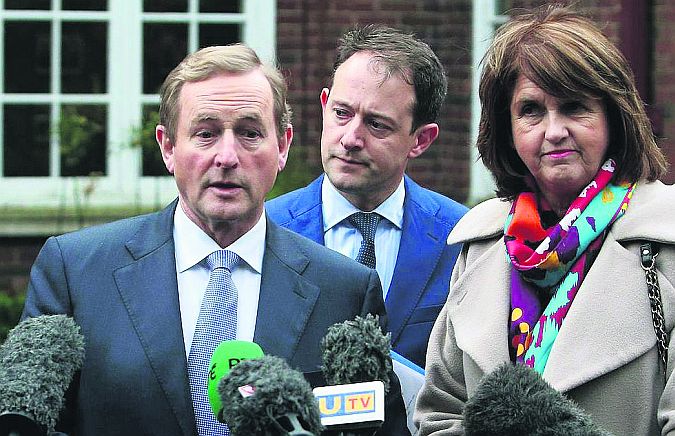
[(551, 272)]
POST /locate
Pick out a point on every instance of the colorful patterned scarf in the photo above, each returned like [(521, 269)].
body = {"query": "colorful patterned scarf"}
[(552, 261)]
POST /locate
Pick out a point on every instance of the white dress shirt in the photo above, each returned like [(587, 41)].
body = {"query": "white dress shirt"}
[(192, 248), (340, 235)]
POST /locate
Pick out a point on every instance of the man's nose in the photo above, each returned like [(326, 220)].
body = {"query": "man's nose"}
[(354, 135), (226, 151)]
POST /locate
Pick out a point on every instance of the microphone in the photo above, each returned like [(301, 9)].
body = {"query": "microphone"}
[(357, 362), (265, 396), (226, 355), (37, 363), (516, 400)]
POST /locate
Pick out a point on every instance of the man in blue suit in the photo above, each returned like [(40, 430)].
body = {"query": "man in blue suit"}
[(380, 111), (140, 288)]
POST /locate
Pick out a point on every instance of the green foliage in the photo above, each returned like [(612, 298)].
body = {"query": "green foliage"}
[(298, 173), (143, 137), (76, 132), (10, 312)]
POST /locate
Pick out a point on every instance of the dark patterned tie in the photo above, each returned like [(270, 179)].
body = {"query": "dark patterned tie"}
[(217, 322), (366, 224)]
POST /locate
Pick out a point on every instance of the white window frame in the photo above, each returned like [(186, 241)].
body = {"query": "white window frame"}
[(123, 186), (485, 21)]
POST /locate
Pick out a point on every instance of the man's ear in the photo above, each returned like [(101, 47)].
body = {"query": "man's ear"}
[(165, 147), (324, 98), (285, 145), (424, 136)]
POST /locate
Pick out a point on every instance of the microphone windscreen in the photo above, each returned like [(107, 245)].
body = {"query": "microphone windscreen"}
[(226, 355), (258, 392), (516, 400), (356, 351), (37, 363)]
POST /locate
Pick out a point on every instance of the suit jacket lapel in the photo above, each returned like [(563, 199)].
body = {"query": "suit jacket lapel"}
[(422, 237), (306, 212), (286, 299), (149, 290)]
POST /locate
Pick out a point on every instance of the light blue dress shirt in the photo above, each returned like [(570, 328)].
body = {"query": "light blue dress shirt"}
[(341, 236)]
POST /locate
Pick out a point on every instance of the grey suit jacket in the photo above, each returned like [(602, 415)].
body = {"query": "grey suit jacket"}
[(604, 357), (118, 281)]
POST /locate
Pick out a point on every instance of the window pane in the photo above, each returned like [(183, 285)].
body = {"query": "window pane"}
[(27, 51), (26, 139), (218, 34), (84, 5), (164, 46), (83, 62), (231, 6), (28, 4), (153, 165), (82, 140), (165, 5)]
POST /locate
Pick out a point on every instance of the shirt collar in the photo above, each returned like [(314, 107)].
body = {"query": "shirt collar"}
[(336, 208), (193, 245)]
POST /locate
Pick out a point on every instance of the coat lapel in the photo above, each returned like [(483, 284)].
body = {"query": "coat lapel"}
[(422, 237), (149, 290), (286, 298), (478, 307)]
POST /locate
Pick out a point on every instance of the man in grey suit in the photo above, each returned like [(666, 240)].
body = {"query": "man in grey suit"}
[(139, 287)]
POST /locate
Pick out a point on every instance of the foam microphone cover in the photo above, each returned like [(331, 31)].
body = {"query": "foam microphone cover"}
[(356, 351), (516, 400), (275, 393), (37, 363)]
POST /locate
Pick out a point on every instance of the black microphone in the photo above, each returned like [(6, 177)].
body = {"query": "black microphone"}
[(356, 357), (265, 396), (37, 363), (516, 400)]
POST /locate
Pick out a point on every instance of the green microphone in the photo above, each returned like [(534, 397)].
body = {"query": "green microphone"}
[(227, 355)]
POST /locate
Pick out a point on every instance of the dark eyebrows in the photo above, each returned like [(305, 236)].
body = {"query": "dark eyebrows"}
[(370, 114)]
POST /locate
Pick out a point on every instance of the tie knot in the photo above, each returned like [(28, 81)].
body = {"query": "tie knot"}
[(222, 259), (365, 223)]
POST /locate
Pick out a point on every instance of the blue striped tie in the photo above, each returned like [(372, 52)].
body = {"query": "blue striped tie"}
[(217, 322)]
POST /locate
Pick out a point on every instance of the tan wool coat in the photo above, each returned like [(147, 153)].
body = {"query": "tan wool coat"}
[(605, 356)]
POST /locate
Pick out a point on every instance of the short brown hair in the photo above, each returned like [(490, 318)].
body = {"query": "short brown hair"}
[(567, 56), (405, 55), (210, 61)]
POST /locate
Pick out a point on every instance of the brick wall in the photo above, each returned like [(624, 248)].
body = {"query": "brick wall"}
[(16, 257), (663, 78), (306, 38), (308, 30)]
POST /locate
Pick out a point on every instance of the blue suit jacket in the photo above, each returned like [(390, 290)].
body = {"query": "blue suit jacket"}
[(118, 281), (419, 286)]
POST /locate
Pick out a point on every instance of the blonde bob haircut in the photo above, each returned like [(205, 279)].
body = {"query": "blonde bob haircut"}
[(210, 61), (568, 57)]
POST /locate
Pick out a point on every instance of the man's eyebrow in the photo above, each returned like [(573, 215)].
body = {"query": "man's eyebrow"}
[(203, 118), (369, 114)]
